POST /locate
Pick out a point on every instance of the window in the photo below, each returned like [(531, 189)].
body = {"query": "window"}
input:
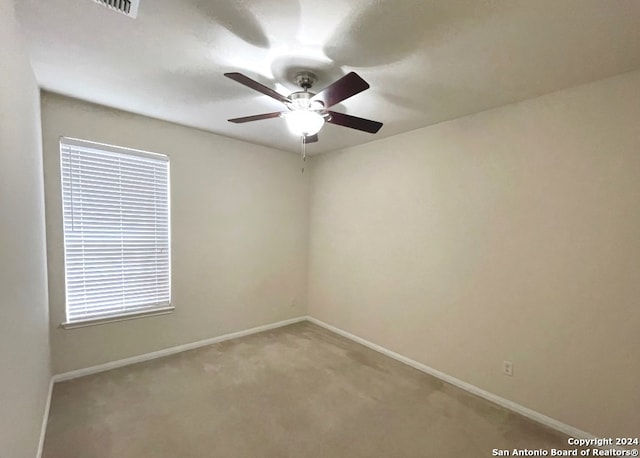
[(116, 231)]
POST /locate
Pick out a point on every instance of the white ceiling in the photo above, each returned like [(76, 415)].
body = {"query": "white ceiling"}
[(426, 61)]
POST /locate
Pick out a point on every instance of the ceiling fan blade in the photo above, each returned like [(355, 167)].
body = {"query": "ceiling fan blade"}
[(275, 114), (311, 138), (242, 79), (354, 122), (347, 86)]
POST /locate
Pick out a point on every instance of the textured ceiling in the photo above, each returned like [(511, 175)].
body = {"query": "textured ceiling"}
[(426, 61)]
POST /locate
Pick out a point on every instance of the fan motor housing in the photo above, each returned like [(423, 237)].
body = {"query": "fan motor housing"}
[(301, 100)]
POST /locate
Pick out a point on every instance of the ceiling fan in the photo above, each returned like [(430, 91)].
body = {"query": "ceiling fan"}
[(306, 111)]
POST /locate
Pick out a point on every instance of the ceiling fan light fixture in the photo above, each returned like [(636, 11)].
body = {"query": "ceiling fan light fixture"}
[(304, 122), (308, 111)]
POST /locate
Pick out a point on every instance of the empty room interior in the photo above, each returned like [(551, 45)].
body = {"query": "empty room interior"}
[(372, 228)]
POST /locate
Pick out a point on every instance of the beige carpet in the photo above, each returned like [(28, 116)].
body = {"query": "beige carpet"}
[(298, 391)]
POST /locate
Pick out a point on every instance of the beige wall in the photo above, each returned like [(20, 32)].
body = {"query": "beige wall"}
[(24, 335), (239, 234), (510, 234)]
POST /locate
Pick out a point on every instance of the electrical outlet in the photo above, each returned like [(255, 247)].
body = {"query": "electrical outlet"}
[(507, 368)]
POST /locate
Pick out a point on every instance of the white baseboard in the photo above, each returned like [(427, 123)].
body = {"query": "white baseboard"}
[(45, 419), (522, 410), (170, 351)]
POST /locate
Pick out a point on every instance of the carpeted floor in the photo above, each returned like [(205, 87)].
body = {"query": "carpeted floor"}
[(298, 391)]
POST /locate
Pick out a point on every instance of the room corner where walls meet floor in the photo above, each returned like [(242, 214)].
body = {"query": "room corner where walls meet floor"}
[(492, 398)]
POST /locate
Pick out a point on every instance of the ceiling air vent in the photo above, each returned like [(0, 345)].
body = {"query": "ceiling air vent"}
[(126, 7)]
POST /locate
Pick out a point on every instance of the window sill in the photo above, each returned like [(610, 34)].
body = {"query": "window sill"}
[(113, 319)]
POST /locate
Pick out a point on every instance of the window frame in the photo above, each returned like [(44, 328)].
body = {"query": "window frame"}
[(164, 309)]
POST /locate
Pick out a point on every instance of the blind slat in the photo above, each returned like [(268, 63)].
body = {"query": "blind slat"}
[(108, 297)]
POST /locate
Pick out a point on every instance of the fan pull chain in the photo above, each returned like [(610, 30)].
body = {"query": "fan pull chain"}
[(304, 153)]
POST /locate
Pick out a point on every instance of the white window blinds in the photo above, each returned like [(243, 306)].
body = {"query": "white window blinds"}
[(116, 230)]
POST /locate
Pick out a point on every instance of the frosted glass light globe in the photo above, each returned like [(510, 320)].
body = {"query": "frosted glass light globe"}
[(304, 122)]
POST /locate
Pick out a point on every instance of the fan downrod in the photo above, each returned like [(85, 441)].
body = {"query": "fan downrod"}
[(305, 79)]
